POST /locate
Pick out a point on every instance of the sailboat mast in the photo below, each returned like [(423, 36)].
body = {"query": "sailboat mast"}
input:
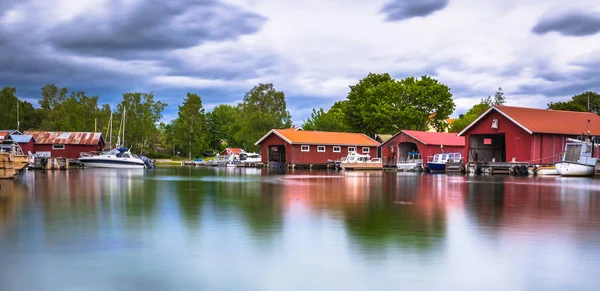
[(110, 129), (124, 114)]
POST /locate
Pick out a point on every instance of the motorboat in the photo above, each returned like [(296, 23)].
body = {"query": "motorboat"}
[(355, 161), (250, 158), (412, 162), (577, 159), (438, 163), (119, 158)]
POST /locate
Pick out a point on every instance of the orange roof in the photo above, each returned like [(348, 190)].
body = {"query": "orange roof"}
[(547, 121), (294, 136), (450, 121), (3, 134)]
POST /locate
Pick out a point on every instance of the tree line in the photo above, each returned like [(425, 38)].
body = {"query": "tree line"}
[(377, 104)]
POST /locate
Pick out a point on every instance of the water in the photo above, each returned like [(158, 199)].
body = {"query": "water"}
[(179, 228)]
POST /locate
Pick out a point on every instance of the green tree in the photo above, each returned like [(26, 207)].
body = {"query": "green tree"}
[(142, 113), (498, 98), (262, 109), (8, 103), (463, 121), (567, 106), (380, 104), (332, 120), (222, 125), (190, 126)]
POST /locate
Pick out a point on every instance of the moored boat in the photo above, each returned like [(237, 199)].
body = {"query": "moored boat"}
[(412, 162), (577, 159), (355, 161), (546, 171), (119, 158), (438, 163)]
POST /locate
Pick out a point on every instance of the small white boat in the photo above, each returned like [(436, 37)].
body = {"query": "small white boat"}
[(412, 162), (115, 159), (577, 159), (355, 161), (250, 158)]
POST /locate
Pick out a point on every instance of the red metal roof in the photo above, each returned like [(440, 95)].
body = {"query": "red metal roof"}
[(235, 151), (436, 138), (548, 121), (3, 134), (59, 137), (295, 136)]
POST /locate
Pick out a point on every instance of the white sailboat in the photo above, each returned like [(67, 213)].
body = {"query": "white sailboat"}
[(117, 158), (577, 159)]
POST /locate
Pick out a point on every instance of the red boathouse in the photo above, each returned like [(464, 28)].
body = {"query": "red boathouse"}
[(304, 148), (426, 143), (66, 144), (537, 136)]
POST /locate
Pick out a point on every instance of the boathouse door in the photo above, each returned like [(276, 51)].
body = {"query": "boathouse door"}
[(277, 153)]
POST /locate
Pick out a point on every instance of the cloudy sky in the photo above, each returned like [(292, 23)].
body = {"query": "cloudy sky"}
[(537, 50)]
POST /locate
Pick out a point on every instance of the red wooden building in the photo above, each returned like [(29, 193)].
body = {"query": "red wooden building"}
[(66, 144), (25, 141), (303, 148), (426, 143), (538, 136)]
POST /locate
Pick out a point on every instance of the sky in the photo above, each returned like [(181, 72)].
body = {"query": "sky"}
[(538, 51)]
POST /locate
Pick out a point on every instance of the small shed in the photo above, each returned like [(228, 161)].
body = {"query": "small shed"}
[(531, 135), (426, 143), (26, 142), (66, 144), (304, 148)]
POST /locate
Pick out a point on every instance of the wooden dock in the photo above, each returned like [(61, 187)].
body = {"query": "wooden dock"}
[(501, 168), (47, 163)]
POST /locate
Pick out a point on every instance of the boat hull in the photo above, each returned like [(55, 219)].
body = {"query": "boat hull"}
[(574, 169), (435, 167), (416, 167), (112, 164), (547, 171), (362, 166)]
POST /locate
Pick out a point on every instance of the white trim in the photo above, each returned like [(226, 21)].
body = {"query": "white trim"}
[(275, 132), (54, 147), (321, 151), (354, 149), (302, 148), (368, 150), (339, 149), (499, 111)]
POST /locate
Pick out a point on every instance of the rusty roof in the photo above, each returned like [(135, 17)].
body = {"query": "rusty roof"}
[(535, 120), (3, 134), (59, 137), (295, 136), (235, 151)]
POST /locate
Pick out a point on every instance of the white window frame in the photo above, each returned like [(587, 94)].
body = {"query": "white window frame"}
[(54, 147), (307, 148), (339, 149), (321, 147), (366, 150), (353, 149)]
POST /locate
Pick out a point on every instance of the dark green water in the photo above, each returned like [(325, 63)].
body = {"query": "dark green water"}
[(179, 228)]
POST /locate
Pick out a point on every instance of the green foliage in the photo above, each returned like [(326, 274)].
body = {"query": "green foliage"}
[(262, 109), (380, 104), (498, 98), (28, 117), (332, 120), (473, 113), (222, 126), (579, 102), (141, 116), (190, 126)]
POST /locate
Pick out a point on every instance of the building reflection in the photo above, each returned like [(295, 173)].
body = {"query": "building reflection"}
[(10, 201)]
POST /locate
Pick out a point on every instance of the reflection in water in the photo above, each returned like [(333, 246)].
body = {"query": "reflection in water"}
[(182, 228)]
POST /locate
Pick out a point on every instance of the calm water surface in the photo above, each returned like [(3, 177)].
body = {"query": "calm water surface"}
[(179, 228)]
